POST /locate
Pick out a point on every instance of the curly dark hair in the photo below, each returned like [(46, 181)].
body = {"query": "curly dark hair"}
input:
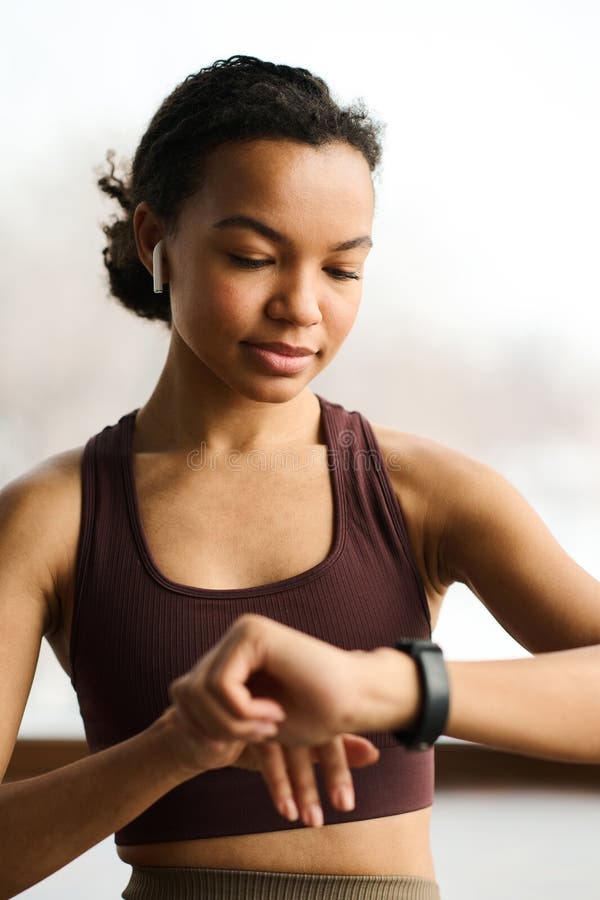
[(237, 98)]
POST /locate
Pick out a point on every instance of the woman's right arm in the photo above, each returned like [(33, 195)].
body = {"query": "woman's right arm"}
[(49, 820)]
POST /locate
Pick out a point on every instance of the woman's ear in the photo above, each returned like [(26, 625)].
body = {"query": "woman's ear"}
[(148, 231)]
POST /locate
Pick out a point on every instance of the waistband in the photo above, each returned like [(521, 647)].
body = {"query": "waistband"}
[(192, 883)]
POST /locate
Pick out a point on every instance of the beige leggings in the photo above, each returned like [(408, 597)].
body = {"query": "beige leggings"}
[(185, 883)]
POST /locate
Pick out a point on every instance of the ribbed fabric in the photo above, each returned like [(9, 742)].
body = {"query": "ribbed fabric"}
[(134, 631), (179, 883)]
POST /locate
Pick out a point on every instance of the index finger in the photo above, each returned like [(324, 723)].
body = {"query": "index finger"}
[(241, 656)]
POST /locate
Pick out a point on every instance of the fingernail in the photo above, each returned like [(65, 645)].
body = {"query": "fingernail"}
[(268, 727), (345, 798), (262, 731), (290, 810), (314, 815)]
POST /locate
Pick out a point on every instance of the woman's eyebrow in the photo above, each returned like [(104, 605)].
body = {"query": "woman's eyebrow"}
[(239, 221)]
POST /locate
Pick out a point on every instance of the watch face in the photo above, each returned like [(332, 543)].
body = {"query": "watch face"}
[(427, 645), (435, 693), (417, 645)]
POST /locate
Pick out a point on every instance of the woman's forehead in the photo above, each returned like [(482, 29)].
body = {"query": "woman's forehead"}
[(283, 182)]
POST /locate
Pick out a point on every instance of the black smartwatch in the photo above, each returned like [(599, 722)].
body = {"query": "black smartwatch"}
[(435, 694)]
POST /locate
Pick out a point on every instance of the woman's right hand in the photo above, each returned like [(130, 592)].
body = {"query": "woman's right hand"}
[(288, 771), (193, 751)]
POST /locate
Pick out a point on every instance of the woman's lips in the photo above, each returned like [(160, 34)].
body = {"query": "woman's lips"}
[(285, 349), (279, 363)]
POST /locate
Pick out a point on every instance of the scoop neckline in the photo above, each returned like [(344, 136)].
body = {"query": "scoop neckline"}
[(339, 524)]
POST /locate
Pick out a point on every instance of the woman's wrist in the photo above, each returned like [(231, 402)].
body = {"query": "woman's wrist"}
[(169, 747), (389, 692)]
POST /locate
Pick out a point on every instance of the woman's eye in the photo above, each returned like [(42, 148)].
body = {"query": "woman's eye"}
[(339, 273), (246, 263)]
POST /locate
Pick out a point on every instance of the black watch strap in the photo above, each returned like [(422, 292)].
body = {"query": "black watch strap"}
[(435, 694)]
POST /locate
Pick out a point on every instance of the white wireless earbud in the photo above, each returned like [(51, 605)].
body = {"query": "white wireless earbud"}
[(157, 267)]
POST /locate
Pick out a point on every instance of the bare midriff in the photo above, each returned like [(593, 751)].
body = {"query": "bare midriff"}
[(390, 845)]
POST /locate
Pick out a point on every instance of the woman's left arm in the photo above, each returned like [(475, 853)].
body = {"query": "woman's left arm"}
[(547, 706), (493, 541)]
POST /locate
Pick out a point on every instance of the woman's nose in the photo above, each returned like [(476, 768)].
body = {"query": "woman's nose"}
[(296, 297)]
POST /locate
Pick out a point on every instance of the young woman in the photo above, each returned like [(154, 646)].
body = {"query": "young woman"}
[(234, 489)]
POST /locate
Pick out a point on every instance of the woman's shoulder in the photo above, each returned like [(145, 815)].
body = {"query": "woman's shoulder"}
[(421, 463), (40, 515), (428, 479), (51, 481)]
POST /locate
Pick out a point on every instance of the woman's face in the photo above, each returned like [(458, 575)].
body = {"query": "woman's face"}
[(303, 292)]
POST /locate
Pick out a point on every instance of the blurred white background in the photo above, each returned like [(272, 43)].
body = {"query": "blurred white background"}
[(480, 313)]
